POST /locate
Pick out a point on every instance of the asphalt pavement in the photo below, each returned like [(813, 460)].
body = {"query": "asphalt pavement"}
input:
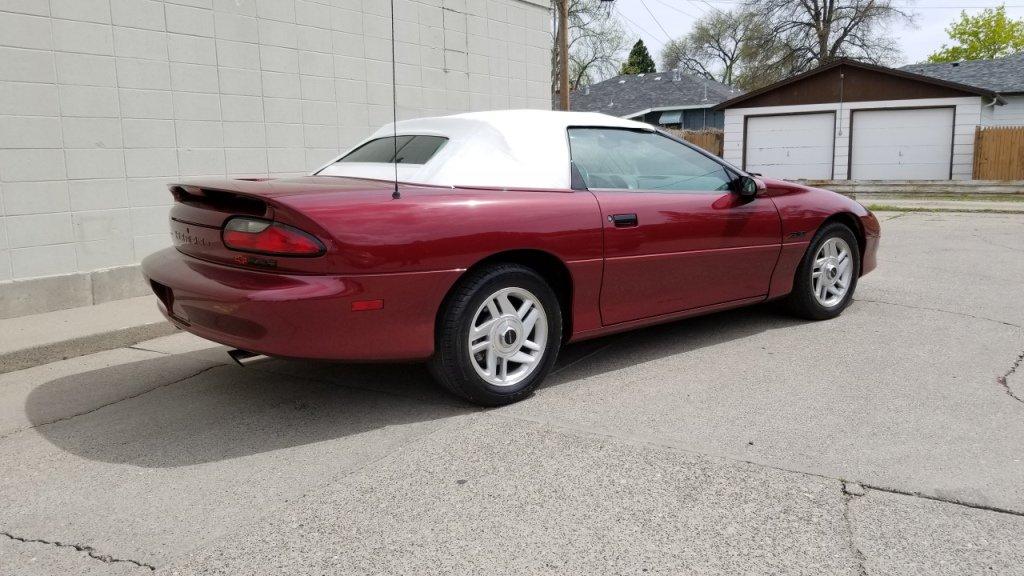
[(887, 441)]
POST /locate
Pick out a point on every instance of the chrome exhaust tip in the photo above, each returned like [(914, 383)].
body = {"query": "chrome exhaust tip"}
[(244, 357)]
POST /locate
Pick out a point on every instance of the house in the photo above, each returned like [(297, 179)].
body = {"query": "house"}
[(103, 103), (671, 99), (853, 120), (1004, 76)]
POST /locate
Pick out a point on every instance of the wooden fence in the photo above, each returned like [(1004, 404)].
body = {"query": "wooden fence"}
[(710, 140), (999, 153)]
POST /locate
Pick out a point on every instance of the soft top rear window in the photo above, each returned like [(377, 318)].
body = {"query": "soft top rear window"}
[(410, 150)]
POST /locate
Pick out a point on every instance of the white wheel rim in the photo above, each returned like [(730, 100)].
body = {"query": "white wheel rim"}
[(507, 336), (832, 272)]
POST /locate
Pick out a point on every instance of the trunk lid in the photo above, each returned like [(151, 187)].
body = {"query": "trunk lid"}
[(202, 207)]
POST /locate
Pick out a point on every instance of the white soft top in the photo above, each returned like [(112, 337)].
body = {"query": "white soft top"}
[(505, 149)]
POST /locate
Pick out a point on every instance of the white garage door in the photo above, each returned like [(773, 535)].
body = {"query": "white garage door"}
[(902, 144), (791, 146)]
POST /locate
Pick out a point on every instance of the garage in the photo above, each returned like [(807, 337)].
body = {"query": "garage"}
[(850, 120), (791, 145), (902, 144)]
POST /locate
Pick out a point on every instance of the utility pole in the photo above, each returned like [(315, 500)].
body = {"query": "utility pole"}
[(563, 53)]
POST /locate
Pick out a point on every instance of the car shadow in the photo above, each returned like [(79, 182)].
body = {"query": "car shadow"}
[(193, 408)]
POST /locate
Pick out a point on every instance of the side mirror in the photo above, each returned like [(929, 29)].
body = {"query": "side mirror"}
[(745, 186)]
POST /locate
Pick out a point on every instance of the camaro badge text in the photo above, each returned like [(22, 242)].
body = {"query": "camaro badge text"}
[(188, 239)]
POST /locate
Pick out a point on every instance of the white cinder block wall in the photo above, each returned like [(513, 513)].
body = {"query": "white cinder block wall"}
[(102, 102), (966, 118)]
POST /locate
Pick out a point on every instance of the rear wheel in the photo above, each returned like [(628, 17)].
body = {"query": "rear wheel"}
[(827, 276), (498, 335)]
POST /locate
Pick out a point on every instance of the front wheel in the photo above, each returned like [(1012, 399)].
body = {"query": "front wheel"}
[(827, 276), (498, 335)]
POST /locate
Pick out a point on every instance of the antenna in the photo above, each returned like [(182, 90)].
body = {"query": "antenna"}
[(394, 102)]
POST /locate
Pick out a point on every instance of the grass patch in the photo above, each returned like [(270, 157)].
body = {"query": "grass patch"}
[(947, 197)]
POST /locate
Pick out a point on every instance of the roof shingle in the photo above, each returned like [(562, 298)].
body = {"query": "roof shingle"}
[(628, 94), (1004, 75)]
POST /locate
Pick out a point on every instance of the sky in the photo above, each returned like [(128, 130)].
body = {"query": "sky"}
[(661, 19)]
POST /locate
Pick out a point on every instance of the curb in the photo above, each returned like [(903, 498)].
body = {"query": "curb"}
[(46, 353), (938, 210)]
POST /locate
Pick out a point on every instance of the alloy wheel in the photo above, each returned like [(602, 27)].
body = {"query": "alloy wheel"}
[(832, 272), (508, 336)]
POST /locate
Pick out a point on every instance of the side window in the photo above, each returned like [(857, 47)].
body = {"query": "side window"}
[(411, 150), (637, 160)]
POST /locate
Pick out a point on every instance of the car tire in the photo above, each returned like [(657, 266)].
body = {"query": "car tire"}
[(827, 276), (486, 331)]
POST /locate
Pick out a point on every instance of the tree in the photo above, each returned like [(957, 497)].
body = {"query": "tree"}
[(596, 42), (718, 46), (990, 34), (639, 61), (814, 32)]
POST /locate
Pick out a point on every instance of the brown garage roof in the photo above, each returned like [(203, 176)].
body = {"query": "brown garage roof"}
[(863, 82)]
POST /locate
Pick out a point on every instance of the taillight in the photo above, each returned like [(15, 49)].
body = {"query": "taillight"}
[(266, 237)]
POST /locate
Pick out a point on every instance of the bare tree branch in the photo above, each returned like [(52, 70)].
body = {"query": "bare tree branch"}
[(596, 44)]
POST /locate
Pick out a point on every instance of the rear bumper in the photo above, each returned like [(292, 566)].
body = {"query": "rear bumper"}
[(300, 316)]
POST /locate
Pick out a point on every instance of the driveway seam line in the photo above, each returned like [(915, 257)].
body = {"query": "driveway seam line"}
[(668, 446), (89, 550), (140, 348), (118, 401), (963, 503), (940, 310)]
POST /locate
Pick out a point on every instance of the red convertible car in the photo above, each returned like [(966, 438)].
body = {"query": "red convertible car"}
[(507, 235)]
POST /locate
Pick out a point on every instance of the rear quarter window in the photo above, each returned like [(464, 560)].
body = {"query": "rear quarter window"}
[(410, 150)]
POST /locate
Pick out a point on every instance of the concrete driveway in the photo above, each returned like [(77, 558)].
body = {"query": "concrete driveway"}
[(888, 441)]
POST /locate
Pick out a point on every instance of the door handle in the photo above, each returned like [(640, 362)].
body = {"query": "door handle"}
[(623, 220)]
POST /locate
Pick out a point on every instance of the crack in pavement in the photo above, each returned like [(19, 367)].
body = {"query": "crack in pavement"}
[(954, 501), (71, 416), (964, 314), (990, 242), (848, 495), (140, 348), (668, 445), (1004, 380), (89, 550)]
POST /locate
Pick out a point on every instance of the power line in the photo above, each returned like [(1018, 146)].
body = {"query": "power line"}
[(636, 27), (671, 7), (710, 6), (702, 9), (653, 17)]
